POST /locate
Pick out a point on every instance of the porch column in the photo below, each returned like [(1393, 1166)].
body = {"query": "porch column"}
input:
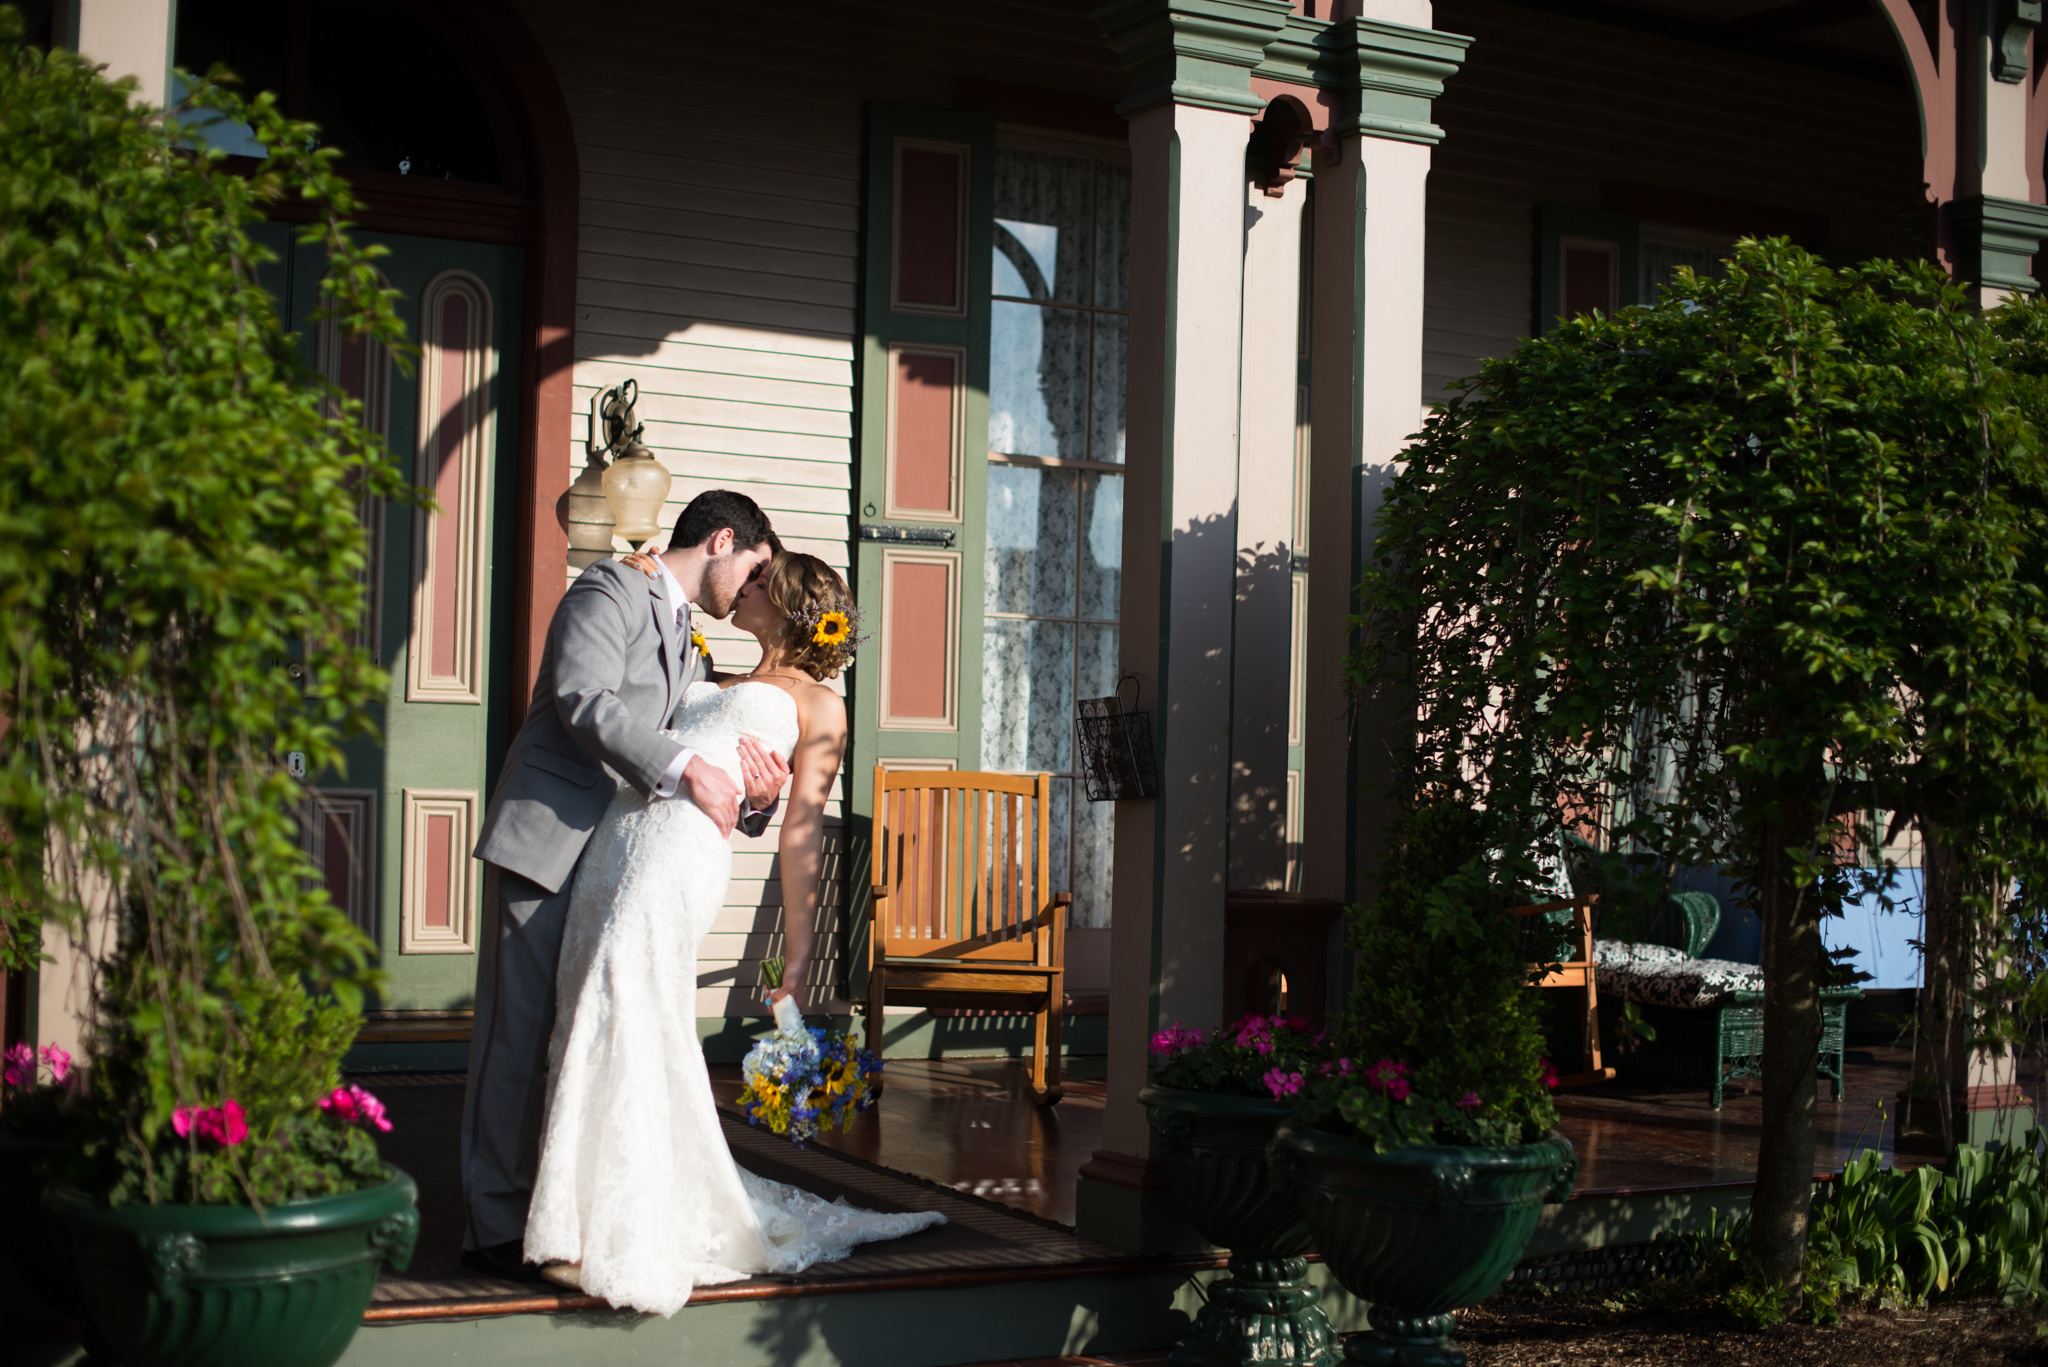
[(133, 38), (1996, 222), (1992, 225), (1190, 64), (1262, 616), (1367, 399)]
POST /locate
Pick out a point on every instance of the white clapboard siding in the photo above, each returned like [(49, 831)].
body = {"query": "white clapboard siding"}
[(1546, 108), (719, 261)]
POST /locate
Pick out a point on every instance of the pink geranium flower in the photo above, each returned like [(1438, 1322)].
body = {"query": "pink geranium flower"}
[(21, 1066), (1389, 1077), (1281, 1084), (1548, 1072), (1175, 1038), (1468, 1103), (351, 1105), (59, 1061), (223, 1124)]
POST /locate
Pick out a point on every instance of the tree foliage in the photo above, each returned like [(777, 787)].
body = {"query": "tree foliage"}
[(179, 551), (1722, 582)]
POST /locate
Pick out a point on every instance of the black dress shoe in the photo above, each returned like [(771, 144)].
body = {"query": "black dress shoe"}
[(506, 1260)]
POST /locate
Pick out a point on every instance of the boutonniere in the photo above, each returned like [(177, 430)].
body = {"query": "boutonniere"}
[(697, 644)]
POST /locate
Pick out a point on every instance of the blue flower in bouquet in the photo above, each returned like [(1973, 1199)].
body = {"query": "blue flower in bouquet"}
[(799, 1079)]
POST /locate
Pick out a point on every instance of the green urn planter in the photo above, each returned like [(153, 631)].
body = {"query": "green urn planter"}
[(1419, 1232), (228, 1287), (1264, 1312)]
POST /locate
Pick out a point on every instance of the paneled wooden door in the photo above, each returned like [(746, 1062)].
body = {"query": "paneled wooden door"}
[(394, 832)]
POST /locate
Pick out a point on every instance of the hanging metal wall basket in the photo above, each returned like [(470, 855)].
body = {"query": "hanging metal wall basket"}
[(1116, 746)]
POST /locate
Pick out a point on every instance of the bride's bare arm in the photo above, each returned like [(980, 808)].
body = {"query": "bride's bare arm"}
[(821, 743)]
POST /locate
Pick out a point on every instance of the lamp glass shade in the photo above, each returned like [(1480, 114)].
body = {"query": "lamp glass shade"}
[(636, 486)]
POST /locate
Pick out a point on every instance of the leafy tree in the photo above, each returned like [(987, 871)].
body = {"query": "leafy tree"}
[(1726, 580), (179, 549)]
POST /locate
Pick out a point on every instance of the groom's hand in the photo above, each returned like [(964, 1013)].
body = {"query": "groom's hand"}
[(764, 772), (713, 789)]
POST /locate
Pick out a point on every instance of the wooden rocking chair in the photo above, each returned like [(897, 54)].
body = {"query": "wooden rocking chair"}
[(962, 914), (1575, 939)]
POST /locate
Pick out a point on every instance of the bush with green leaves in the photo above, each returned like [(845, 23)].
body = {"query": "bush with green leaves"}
[(1441, 1042), (1750, 580), (1972, 1228), (179, 599)]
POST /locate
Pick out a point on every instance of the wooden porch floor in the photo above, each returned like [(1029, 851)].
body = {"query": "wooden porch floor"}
[(969, 1124)]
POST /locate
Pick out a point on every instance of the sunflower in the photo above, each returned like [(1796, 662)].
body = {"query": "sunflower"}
[(833, 629)]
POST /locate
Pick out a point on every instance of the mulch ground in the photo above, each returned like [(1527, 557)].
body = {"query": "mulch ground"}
[(1573, 1332)]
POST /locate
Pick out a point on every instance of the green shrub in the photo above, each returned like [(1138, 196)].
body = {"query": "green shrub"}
[(179, 552), (1441, 1042)]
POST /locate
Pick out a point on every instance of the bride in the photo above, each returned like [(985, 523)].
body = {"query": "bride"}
[(638, 1199)]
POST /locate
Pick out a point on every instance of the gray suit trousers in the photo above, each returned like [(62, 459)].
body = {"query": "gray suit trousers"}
[(508, 1053)]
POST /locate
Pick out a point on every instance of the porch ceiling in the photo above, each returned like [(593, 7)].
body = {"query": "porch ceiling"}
[(1848, 36)]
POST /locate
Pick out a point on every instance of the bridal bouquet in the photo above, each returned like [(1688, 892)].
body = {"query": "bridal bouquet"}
[(801, 1080)]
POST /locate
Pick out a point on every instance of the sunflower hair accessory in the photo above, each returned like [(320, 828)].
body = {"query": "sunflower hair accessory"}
[(838, 627)]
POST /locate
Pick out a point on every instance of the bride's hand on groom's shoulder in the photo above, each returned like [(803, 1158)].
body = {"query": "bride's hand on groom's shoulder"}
[(643, 562)]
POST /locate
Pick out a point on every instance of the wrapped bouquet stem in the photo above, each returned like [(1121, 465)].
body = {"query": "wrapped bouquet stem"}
[(800, 1079)]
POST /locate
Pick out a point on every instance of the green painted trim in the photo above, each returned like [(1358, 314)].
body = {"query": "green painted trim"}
[(1004, 1319), (1997, 239), (1293, 55), (1554, 221), (1392, 72), (1191, 52)]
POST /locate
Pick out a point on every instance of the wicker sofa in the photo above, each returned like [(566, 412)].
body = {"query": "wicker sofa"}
[(1708, 1013)]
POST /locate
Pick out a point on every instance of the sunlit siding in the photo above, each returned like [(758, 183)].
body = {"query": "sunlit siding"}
[(720, 150)]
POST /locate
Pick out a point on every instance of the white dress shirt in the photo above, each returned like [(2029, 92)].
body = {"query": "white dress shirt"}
[(672, 779)]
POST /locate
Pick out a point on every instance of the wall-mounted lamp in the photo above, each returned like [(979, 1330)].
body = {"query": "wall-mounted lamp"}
[(635, 485)]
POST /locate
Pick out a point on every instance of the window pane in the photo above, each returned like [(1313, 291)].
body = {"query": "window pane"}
[(1061, 873), (1091, 862), (1038, 382), (1112, 236), (1042, 226), (1027, 695), (1107, 443), (1096, 673), (1031, 527), (1101, 548)]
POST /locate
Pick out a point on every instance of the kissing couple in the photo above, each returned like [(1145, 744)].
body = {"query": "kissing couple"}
[(591, 1145)]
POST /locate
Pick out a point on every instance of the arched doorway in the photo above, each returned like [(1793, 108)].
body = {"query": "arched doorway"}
[(448, 121)]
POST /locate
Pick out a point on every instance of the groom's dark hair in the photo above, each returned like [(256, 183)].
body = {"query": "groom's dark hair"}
[(715, 509)]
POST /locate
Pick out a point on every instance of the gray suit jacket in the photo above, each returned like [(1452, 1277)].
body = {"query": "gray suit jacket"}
[(611, 677)]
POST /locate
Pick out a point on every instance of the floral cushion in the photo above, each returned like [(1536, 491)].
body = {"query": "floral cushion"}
[(1658, 975)]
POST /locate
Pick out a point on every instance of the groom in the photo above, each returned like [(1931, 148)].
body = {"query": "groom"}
[(619, 656)]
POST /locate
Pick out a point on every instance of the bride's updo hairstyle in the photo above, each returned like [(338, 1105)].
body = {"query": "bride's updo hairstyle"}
[(820, 629)]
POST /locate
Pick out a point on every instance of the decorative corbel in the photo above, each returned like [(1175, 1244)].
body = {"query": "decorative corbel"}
[(2017, 20)]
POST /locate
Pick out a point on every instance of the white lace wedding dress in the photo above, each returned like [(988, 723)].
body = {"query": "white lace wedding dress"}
[(636, 1182)]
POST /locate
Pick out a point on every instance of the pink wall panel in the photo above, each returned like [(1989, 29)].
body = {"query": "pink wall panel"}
[(917, 630), (440, 876), (448, 547), (925, 423), (1588, 281), (928, 228)]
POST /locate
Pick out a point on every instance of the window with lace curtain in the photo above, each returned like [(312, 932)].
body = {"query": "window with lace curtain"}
[(1054, 545)]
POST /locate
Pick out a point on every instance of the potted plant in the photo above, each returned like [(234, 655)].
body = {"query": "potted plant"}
[(181, 573), (1215, 1103), (1422, 1172)]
